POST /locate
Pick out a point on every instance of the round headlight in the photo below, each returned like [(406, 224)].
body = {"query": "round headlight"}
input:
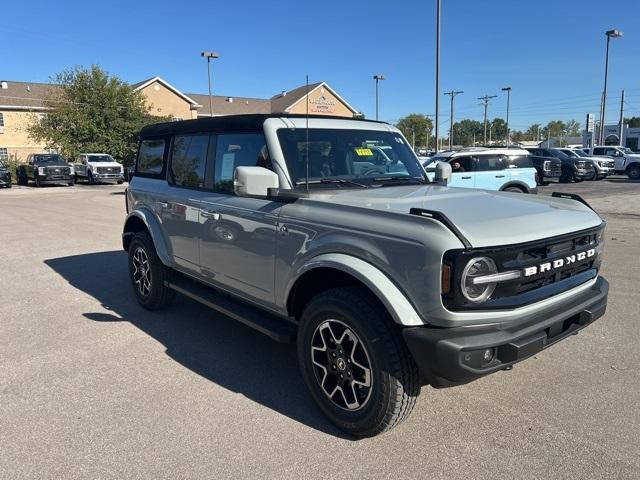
[(478, 267)]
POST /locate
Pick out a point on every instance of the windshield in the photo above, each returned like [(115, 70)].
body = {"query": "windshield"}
[(340, 155), (570, 153), (55, 159), (100, 158)]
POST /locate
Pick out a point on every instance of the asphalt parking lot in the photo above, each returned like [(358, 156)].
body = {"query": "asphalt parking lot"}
[(93, 386)]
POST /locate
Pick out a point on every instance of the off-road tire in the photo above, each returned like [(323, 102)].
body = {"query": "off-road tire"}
[(120, 182), (578, 179), (159, 296), (90, 179), (633, 171), (395, 380), (566, 176), (514, 190), (37, 179)]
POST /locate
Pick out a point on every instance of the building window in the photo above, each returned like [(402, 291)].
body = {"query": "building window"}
[(1, 122), (4, 155)]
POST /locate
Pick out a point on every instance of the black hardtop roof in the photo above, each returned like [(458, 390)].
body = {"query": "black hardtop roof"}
[(229, 123)]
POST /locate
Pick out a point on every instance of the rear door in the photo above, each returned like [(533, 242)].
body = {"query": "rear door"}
[(491, 172), (465, 176), (187, 185)]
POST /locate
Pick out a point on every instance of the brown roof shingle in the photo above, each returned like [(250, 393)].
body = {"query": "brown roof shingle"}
[(25, 94), (231, 105)]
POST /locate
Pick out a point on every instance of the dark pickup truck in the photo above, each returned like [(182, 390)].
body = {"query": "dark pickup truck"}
[(45, 169), (549, 169), (572, 169)]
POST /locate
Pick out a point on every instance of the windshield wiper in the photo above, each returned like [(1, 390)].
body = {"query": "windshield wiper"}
[(402, 178), (340, 181)]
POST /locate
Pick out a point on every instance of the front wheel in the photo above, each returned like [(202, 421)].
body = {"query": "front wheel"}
[(578, 179), (355, 362), (148, 274), (38, 182), (633, 172), (90, 178), (514, 190)]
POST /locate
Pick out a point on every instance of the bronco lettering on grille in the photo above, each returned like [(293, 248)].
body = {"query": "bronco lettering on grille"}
[(559, 263)]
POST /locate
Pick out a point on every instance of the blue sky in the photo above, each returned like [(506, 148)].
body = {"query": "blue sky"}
[(550, 52)]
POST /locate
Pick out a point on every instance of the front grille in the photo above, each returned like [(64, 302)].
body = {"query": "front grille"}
[(108, 169), (528, 289), (54, 171)]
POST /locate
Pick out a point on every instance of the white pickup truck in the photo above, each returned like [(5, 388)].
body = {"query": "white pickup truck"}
[(98, 167), (626, 162)]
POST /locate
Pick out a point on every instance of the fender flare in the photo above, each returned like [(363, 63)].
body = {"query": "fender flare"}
[(153, 226), (396, 303), (516, 183)]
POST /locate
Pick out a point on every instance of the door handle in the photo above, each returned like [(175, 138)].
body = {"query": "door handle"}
[(499, 176), (211, 214), (465, 178)]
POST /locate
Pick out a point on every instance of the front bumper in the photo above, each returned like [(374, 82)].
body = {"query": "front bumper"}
[(453, 356), (108, 176), (50, 180)]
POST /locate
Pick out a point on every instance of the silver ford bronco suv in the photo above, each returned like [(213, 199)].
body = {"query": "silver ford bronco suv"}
[(327, 232)]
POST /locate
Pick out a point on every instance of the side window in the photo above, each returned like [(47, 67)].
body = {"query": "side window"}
[(151, 156), (188, 160), (238, 150), (489, 162), (461, 164)]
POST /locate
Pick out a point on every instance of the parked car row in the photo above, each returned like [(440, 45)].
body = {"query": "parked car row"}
[(53, 168), (517, 169)]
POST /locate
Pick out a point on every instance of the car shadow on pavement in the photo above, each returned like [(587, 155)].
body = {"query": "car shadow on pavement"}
[(214, 346)]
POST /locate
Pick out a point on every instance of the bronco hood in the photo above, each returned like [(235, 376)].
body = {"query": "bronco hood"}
[(485, 218)]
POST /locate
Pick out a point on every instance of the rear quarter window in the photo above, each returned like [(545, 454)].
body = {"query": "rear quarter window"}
[(519, 161), (151, 157)]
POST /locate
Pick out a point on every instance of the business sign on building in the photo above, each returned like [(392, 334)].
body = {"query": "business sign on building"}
[(591, 120)]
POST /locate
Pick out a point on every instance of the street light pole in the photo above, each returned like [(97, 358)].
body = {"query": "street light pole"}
[(209, 56), (377, 78), (438, 7), (610, 34), (452, 93), (508, 90)]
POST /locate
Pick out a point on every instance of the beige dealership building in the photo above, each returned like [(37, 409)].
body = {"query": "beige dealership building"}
[(21, 103)]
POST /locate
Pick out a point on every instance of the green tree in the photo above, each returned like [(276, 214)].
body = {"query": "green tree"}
[(92, 111), (498, 130), (572, 128), (533, 132), (464, 131), (633, 122), (555, 128), (418, 124)]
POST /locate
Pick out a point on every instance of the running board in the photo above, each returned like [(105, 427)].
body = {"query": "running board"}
[(277, 328)]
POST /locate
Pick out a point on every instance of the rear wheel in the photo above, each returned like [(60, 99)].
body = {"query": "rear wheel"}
[(148, 274), (355, 362), (633, 172), (514, 190), (22, 177)]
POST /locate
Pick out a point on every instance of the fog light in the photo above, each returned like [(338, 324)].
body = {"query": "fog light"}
[(487, 356)]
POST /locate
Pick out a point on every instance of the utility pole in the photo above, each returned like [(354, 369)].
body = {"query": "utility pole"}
[(438, 6), (621, 117), (485, 102), (453, 94), (508, 90)]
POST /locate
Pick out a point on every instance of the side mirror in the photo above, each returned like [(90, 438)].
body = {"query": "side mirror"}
[(254, 181), (443, 172)]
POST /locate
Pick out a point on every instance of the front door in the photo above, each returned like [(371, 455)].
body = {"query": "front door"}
[(462, 172), (238, 239)]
